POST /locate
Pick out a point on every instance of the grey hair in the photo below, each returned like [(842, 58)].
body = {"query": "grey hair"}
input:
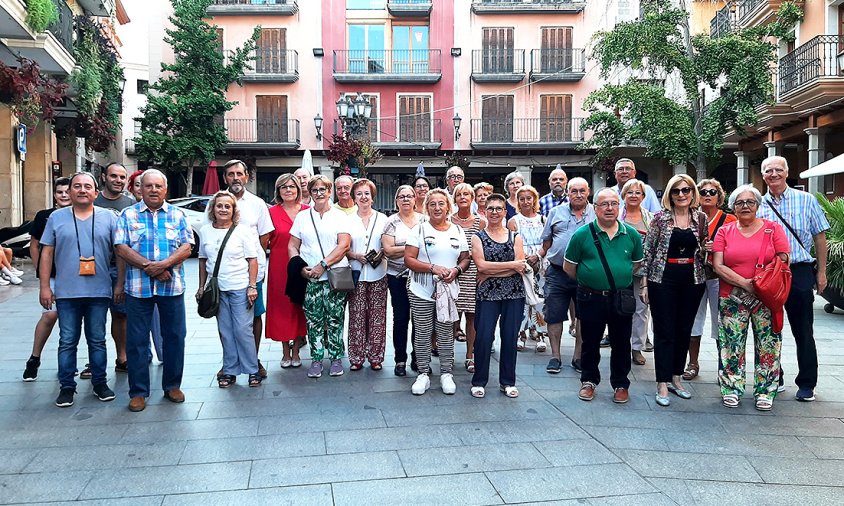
[(511, 176), (154, 172), (624, 160), (557, 170), (609, 190), (578, 180), (344, 177), (305, 169), (769, 160), (744, 189)]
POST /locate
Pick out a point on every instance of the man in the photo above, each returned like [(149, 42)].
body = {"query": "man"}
[(80, 240), (44, 327), (112, 197), (557, 181), (154, 238), (805, 224), (453, 177), (303, 175), (621, 246), (561, 289), (343, 189), (625, 170), (255, 216)]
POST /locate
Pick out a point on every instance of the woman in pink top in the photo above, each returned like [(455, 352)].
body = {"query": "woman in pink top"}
[(736, 251)]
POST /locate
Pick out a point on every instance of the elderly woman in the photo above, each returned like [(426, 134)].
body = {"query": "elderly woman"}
[(737, 248), (393, 240), (673, 281), (482, 191), (463, 196), (436, 252), (633, 193), (368, 303), (285, 320), (237, 275), (499, 255), (711, 199), (320, 235), (529, 224), (512, 183), (421, 185)]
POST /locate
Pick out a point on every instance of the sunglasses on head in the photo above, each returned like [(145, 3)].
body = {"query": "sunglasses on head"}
[(685, 191)]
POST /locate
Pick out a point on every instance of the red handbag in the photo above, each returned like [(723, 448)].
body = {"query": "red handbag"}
[(772, 281)]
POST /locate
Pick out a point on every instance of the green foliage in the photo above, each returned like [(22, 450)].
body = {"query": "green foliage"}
[(40, 14), (835, 239)]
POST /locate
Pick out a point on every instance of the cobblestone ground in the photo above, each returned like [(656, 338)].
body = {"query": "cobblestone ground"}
[(364, 439)]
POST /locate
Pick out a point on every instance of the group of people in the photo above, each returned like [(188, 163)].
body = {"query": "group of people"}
[(520, 264)]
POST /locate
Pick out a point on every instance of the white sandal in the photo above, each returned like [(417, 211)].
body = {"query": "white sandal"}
[(478, 392), (731, 400), (541, 346), (509, 390), (764, 404)]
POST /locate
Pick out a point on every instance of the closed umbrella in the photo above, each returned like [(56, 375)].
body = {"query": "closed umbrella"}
[(212, 181), (308, 162)]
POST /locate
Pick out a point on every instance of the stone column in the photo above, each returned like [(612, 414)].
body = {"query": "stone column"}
[(774, 148), (742, 168), (11, 210), (526, 171), (80, 155), (38, 170), (816, 156)]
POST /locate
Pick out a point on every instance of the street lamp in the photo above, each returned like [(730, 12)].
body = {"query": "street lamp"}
[(456, 120), (354, 113), (318, 126)]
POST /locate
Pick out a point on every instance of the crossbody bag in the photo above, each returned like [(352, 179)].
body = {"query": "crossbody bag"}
[(209, 302), (623, 300), (340, 277)]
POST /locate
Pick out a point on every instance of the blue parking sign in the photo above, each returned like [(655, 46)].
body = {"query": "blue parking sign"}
[(21, 141)]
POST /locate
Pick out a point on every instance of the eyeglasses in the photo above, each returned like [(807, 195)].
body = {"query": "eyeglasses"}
[(421, 187), (745, 203), (636, 193), (711, 192), (319, 191), (607, 204), (772, 170), (684, 190), (288, 187), (495, 209), (404, 197), (456, 177)]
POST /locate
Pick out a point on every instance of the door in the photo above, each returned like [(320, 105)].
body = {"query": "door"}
[(272, 51), (556, 49), (271, 118), (498, 53), (366, 49), (555, 121), (410, 49), (497, 118), (415, 119)]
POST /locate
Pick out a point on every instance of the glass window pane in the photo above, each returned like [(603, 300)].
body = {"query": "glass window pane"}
[(365, 4)]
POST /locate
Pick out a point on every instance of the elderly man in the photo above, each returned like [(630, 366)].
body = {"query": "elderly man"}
[(343, 189), (453, 177), (303, 175), (560, 288), (804, 220), (154, 238), (557, 181), (80, 240), (602, 257), (625, 170)]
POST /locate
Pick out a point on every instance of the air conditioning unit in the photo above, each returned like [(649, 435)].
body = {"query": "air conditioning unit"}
[(130, 146)]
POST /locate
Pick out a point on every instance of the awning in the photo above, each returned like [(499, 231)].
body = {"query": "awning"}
[(831, 166)]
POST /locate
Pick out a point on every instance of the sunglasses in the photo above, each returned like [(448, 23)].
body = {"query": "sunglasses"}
[(711, 192), (684, 190)]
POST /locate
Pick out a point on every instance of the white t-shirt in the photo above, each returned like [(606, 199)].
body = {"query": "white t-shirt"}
[(330, 224), (255, 215), (234, 268), (363, 241), (438, 248)]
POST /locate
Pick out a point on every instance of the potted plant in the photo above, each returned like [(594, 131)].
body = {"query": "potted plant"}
[(352, 155), (834, 292)]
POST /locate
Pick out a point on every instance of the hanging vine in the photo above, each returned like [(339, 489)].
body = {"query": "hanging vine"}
[(31, 95)]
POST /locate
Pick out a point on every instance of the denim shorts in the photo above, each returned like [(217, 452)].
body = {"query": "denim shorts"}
[(560, 291)]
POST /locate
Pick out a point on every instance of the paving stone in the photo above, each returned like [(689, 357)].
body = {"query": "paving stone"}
[(168, 480), (708, 493), (628, 438), (824, 447), (700, 466), (324, 421), (314, 495), (480, 412), (633, 500), (518, 431), (108, 456), (581, 452), (61, 436), (253, 448), (392, 438), (736, 444), (468, 459), (464, 489), (16, 459), (21, 488), (325, 469), (789, 471), (152, 500), (190, 430)]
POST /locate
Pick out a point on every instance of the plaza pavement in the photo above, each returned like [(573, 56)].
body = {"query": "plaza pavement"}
[(364, 439)]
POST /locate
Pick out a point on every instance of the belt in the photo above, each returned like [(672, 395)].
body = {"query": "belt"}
[(681, 261), (605, 293)]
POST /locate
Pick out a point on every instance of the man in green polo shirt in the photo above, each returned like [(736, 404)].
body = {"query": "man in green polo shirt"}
[(622, 247)]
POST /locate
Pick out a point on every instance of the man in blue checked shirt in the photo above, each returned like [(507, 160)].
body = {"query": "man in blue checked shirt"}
[(154, 239), (805, 225)]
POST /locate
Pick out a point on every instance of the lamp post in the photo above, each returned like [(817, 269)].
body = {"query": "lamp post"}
[(354, 114)]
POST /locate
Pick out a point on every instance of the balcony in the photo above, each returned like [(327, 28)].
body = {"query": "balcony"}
[(101, 8), (565, 65), (253, 7), (262, 133), (410, 8), (13, 20), (527, 6), (498, 65), (722, 24), (809, 76), (387, 66), (410, 132), (756, 12), (272, 65), (53, 49), (508, 133)]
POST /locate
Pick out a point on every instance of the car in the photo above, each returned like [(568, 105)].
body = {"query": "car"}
[(194, 209)]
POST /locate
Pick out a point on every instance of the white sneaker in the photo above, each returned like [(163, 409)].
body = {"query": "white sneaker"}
[(447, 383), (11, 278), (421, 385), (16, 272), (4, 281)]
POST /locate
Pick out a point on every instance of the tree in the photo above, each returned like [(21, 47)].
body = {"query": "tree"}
[(180, 126), (678, 128)]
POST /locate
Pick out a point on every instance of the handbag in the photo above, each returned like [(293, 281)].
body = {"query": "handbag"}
[(209, 302), (623, 300), (532, 297), (340, 277), (772, 281)]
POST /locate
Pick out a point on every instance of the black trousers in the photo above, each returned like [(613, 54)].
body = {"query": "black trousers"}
[(401, 315), (596, 312), (800, 313), (673, 310)]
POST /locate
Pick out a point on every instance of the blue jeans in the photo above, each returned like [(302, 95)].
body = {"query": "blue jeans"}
[(173, 330), (234, 322), (73, 313), (487, 316)]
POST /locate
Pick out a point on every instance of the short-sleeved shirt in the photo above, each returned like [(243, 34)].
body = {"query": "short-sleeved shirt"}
[(255, 216), (117, 205), (651, 201), (802, 211), (559, 228), (396, 229), (330, 225), (365, 239), (39, 223), (621, 252), (61, 233), (155, 235), (347, 210), (435, 247), (234, 266), (548, 202), (741, 253)]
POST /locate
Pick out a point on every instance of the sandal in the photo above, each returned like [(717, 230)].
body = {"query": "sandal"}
[(375, 366), (520, 345), (356, 367), (691, 372), (470, 364), (764, 404), (509, 390), (255, 380), (541, 346), (731, 400), (226, 380), (459, 336), (478, 392)]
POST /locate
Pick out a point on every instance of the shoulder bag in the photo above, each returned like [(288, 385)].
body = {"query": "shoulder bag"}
[(623, 300), (772, 281), (790, 229), (340, 277), (209, 302)]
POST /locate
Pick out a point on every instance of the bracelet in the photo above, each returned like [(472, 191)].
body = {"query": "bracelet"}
[(459, 270), (254, 287), (431, 268)]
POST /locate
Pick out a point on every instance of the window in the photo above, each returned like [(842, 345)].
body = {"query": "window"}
[(414, 118), (142, 85), (365, 4), (625, 12), (366, 49), (556, 49), (271, 122), (410, 49), (497, 118), (555, 121), (829, 184), (498, 53), (271, 55)]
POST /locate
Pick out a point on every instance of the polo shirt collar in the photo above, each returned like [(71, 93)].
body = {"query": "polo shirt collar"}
[(622, 230)]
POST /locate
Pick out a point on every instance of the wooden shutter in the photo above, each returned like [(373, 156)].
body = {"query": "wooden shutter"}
[(498, 54), (415, 118), (373, 127), (272, 54), (556, 48), (555, 121), (271, 118), (497, 118)]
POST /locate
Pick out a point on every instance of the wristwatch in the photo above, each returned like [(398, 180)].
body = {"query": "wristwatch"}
[(323, 264)]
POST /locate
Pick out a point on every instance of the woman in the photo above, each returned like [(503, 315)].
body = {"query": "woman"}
[(285, 320), (482, 191), (711, 199), (133, 185), (499, 255), (463, 196), (421, 186), (529, 224), (436, 252), (368, 303), (396, 231), (673, 281), (736, 250), (237, 278), (321, 251), (512, 183), (633, 193)]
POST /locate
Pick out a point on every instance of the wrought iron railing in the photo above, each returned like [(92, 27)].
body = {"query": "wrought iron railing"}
[(388, 61), (62, 29), (253, 2), (273, 60), (527, 130), (498, 61), (410, 129), (809, 62), (263, 130), (563, 60), (722, 24), (745, 8), (516, 2), (410, 2)]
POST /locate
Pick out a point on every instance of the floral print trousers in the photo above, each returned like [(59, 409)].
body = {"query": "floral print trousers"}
[(368, 322), (324, 310), (732, 341)]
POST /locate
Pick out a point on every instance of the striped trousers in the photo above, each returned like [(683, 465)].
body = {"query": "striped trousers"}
[(424, 316)]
